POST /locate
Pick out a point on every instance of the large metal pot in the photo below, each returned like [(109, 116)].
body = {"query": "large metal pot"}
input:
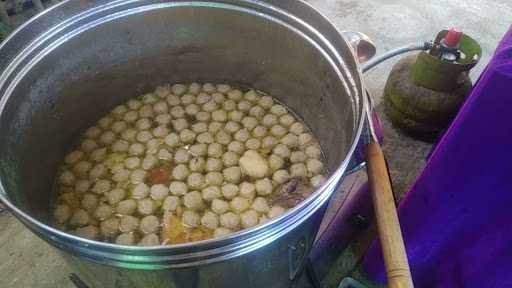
[(65, 68)]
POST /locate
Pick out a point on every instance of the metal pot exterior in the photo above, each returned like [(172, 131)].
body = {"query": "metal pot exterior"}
[(65, 68), (278, 264)]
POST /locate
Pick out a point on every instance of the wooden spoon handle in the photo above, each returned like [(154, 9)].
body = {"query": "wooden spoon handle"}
[(388, 226)]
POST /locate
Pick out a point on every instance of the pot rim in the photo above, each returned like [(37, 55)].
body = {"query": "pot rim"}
[(207, 251)]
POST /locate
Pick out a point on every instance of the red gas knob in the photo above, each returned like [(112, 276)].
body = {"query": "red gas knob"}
[(452, 38)]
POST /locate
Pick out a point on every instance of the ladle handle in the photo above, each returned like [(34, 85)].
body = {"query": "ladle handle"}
[(388, 226)]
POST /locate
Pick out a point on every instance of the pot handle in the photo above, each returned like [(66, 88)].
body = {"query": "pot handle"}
[(365, 49), (363, 46)]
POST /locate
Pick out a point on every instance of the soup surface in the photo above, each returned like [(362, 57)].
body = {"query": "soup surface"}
[(186, 163)]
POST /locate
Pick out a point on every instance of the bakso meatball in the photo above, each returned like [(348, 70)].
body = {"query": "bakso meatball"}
[(178, 188), (191, 218), (314, 166), (79, 218), (178, 89), (146, 206), (253, 164), (128, 223), (313, 151), (213, 178), (239, 204), (140, 191), (193, 200), (90, 232), (210, 193), (249, 218), (230, 220), (317, 181), (149, 240), (298, 170), (232, 174), (126, 207), (210, 220), (110, 227), (62, 213), (275, 211), (229, 191), (221, 231), (260, 205), (247, 190), (264, 187), (149, 224), (159, 192), (74, 157), (103, 212), (281, 176), (171, 203), (89, 201), (219, 206), (126, 239)]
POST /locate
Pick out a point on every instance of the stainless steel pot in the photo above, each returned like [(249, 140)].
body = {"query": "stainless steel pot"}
[(66, 67)]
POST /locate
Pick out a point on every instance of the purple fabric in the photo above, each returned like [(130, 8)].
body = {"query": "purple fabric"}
[(457, 219)]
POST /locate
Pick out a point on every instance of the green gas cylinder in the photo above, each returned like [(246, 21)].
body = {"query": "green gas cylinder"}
[(424, 91)]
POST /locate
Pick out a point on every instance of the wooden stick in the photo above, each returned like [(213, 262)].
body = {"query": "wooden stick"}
[(388, 226)]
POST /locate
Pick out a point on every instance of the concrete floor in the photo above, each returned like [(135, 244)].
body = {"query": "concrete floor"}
[(29, 262)]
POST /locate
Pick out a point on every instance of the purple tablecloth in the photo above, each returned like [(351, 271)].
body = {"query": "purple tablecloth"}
[(457, 219)]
